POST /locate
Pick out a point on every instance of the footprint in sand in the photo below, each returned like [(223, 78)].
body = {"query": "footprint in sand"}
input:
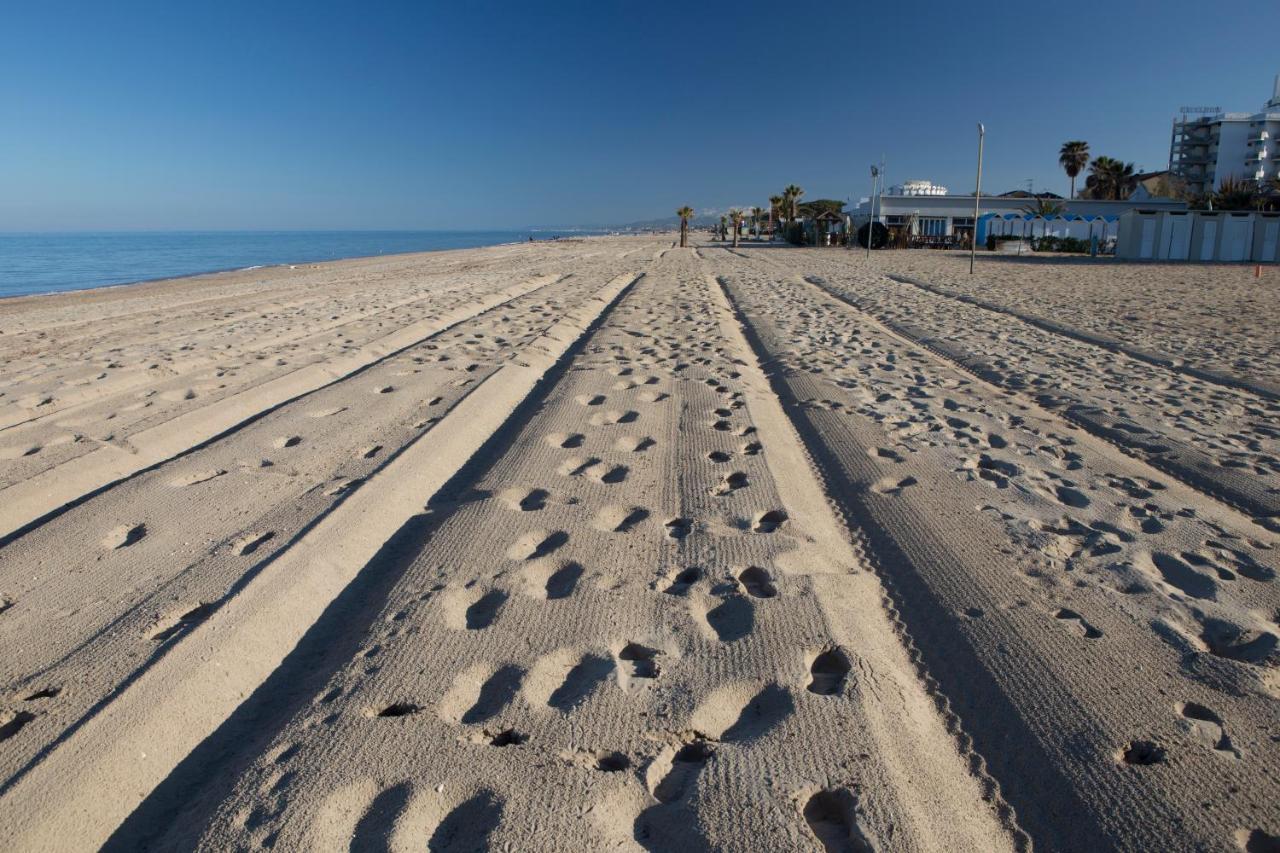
[(619, 519), (176, 621), (719, 456), (884, 453), (828, 672), (731, 483), (590, 399), (633, 443), (682, 581), (606, 761), (482, 613), (1205, 727), (525, 500), (286, 441), (892, 485), (637, 665), (1228, 640), (250, 542), (581, 682), (124, 536), (12, 722), (760, 715), (576, 466), (612, 417), (551, 579), (757, 582), (565, 439), (496, 693), (537, 543), (732, 619), (1140, 753), (1076, 623), (678, 528), (499, 738), (608, 474), (768, 522), (832, 817), (1256, 841), (1177, 574), (675, 769)]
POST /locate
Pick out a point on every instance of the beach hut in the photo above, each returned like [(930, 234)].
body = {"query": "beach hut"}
[(1266, 237)]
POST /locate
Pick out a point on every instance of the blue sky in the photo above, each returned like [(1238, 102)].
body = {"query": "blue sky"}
[(470, 114)]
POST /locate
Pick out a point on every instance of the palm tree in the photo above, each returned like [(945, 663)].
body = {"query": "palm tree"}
[(1044, 208), (735, 216), (722, 226), (1233, 194), (775, 209), (1073, 157), (792, 196), (1111, 179), (685, 213), (756, 214)]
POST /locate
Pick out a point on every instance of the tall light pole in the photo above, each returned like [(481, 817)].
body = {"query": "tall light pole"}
[(977, 195), (871, 217)]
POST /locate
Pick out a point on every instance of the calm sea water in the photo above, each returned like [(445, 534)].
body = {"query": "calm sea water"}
[(49, 262)]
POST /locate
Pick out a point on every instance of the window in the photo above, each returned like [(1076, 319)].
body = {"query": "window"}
[(931, 226)]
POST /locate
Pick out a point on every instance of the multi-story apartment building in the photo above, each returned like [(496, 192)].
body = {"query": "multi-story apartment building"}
[(1205, 149)]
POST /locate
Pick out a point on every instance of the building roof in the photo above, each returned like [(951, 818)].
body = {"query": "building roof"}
[(1025, 194)]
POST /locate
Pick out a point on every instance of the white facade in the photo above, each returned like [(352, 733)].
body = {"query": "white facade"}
[(952, 215), (1199, 235), (1244, 146)]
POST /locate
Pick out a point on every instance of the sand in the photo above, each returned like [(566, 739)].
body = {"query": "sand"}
[(607, 544)]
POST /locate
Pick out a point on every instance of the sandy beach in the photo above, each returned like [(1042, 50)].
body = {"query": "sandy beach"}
[(604, 544)]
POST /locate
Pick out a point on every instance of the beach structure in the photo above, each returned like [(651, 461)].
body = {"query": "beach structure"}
[(1208, 145), (1198, 235), (948, 219)]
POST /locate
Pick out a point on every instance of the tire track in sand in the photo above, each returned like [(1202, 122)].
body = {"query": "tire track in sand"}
[(162, 716), (29, 503), (862, 609)]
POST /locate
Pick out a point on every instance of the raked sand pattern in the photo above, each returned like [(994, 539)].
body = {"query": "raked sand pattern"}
[(611, 545)]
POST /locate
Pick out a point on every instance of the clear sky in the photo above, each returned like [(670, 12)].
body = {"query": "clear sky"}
[(122, 115)]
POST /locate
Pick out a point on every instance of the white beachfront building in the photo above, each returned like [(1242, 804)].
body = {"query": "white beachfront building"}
[(938, 217), (1205, 149)]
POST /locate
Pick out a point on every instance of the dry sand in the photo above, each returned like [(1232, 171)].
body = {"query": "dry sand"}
[(606, 544)]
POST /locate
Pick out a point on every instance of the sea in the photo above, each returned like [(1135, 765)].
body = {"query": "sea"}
[(49, 262)]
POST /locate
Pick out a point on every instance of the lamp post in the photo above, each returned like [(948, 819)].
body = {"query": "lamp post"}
[(871, 219), (977, 195)]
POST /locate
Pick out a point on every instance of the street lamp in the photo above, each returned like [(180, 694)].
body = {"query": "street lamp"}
[(871, 219), (977, 194)]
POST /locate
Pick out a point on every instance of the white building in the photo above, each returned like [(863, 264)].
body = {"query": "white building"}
[(949, 218), (1208, 148)]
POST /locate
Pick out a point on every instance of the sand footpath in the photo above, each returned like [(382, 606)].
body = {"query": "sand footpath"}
[(606, 544)]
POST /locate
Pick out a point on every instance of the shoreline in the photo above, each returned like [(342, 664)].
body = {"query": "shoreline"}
[(8, 298)]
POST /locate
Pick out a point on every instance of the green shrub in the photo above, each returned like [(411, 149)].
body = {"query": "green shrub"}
[(992, 239), (1060, 244)]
